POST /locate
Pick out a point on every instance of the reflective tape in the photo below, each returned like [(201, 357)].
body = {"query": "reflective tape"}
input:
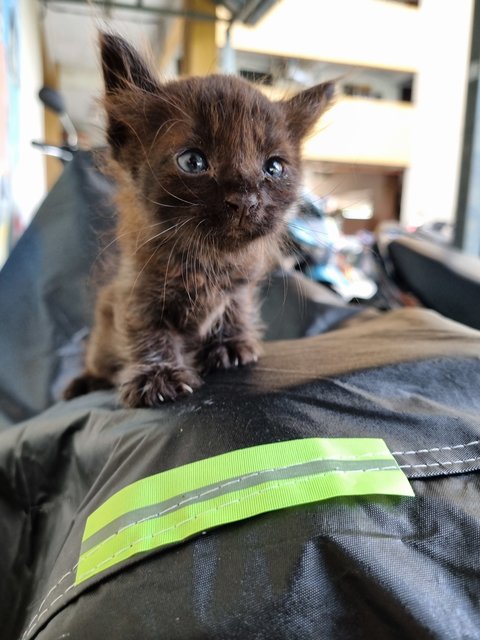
[(169, 507)]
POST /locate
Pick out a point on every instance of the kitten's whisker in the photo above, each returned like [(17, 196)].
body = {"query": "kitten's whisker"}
[(111, 242), (185, 269), (173, 206), (141, 271), (164, 297), (310, 231), (172, 121), (176, 226), (175, 106), (196, 246), (142, 229), (194, 266), (191, 253), (173, 195), (156, 224), (127, 233), (146, 155), (195, 195), (184, 275)]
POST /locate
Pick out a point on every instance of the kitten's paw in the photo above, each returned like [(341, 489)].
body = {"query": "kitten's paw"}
[(153, 387), (215, 356), (84, 384), (223, 356), (245, 352)]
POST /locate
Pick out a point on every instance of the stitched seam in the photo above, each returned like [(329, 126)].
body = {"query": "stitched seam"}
[(225, 504), (218, 488), (265, 471), (182, 502), (235, 481), (451, 448), (37, 617), (272, 488), (437, 464)]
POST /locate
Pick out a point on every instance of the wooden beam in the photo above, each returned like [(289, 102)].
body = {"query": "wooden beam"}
[(53, 128), (173, 41), (200, 49)]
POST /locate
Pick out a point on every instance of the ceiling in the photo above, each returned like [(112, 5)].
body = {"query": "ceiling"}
[(71, 26), (70, 29)]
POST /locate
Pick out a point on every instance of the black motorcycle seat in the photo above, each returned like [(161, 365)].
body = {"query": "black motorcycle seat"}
[(442, 278)]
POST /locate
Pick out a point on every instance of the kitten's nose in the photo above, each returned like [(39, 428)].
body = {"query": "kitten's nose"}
[(242, 203)]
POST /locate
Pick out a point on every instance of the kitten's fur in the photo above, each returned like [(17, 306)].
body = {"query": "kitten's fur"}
[(193, 246)]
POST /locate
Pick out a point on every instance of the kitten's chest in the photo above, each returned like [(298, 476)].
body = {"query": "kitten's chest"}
[(192, 297), (196, 302)]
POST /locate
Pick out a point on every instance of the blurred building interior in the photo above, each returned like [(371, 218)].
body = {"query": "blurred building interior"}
[(395, 145)]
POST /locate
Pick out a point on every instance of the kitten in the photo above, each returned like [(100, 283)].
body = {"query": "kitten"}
[(207, 169)]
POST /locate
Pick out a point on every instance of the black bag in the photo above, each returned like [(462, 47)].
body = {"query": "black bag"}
[(350, 567)]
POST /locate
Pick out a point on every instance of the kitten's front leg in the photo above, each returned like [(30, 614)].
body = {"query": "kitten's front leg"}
[(225, 355), (157, 372), (237, 340)]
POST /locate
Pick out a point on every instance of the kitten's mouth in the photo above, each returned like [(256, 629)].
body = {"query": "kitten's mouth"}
[(241, 232), (245, 219), (243, 223), (227, 229)]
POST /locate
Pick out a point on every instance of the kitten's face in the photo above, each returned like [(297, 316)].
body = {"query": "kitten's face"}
[(224, 160), (213, 154)]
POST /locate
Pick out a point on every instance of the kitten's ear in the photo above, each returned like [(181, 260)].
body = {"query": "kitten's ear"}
[(303, 110), (128, 84), (122, 67)]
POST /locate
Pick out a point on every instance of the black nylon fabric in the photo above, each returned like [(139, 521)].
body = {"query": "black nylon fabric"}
[(343, 568), (440, 277), (44, 286), (346, 568), (349, 570)]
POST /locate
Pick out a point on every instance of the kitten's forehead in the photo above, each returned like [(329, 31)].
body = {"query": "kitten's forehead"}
[(214, 91), (225, 107)]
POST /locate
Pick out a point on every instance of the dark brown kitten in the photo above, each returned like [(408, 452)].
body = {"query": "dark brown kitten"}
[(207, 169)]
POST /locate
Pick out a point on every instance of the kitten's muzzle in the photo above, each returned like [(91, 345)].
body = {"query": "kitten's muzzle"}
[(241, 205)]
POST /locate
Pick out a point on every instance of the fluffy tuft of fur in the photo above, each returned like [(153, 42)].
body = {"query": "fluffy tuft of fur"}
[(207, 169)]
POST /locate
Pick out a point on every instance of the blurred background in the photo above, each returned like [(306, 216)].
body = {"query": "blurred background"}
[(400, 143)]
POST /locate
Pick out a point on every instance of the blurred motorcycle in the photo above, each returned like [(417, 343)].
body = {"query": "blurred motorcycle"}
[(53, 100), (327, 256)]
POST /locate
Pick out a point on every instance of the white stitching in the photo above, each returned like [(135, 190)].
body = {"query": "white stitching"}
[(46, 597), (456, 446), (278, 486), (437, 464), (264, 471), (222, 506), (39, 615), (212, 490), (182, 502), (407, 466)]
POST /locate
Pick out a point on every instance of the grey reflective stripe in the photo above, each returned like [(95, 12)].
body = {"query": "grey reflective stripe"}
[(233, 484)]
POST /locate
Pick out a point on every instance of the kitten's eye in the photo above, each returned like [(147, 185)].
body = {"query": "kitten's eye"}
[(192, 161), (274, 167)]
